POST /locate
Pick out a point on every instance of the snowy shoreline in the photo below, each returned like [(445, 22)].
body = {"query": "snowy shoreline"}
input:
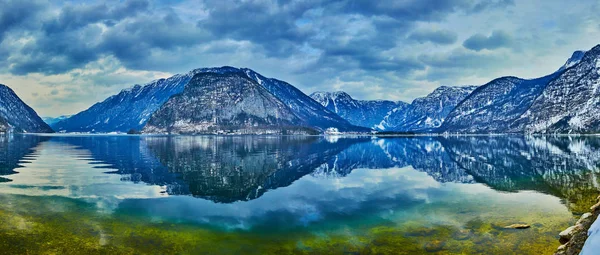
[(592, 244), (583, 237)]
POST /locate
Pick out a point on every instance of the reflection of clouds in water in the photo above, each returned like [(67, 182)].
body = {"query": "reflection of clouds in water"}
[(59, 169), (386, 194)]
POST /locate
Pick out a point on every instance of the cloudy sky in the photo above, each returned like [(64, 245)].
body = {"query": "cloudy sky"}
[(63, 56)]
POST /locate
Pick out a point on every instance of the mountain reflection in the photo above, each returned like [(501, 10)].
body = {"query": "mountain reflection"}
[(566, 167), (228, 169), (241, 168)]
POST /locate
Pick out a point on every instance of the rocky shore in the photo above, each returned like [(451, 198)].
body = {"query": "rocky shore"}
[(573, 238)]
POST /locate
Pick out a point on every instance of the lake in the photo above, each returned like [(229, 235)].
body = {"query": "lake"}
[(100, 194)]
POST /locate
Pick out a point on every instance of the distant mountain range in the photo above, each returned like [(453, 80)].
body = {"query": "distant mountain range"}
[(425, 114), (362, 113), (53, 120), (562, 102), (241, 101)]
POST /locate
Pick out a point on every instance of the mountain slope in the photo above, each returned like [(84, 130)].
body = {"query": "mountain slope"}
[(426, 113), (17, 116), (499, 106), (364, 113), (302, 105), (569, 103), (230, 102), (573, 60), (494, 106), (130, 109)]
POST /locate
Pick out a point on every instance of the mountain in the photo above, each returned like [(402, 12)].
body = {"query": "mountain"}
[(224, 102), (131, 108), (307, 109), (53, 120), (573, 60), (494, 106), (504, 105), (364, 113), (16, 116), (570, 102), (425, 113)]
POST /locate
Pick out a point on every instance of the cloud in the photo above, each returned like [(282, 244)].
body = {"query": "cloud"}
[(18, 14), (498, 39), (434, 36), (374, 49), (140, 33)]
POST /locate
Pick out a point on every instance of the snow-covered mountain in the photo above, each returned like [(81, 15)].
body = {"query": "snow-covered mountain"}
[(365, 113), (229, 102), (425, 113), (16, 116), (573, 60), (569, 103), (508, 104), (302, 105), (131, 108), (493, 107)]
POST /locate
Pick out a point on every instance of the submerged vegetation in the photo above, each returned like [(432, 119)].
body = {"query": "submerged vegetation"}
[(53, 225)]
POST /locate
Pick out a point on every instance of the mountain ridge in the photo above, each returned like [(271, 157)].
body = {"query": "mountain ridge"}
[(506, 104), (131, 108), (426, 114), (17, 116)]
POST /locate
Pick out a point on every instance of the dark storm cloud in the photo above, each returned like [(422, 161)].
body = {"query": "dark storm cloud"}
[(80, 34), (429, 10), (134, 41), (434, 36), (73, 17), (140, 33), (345, 33), (15, 15), (68, 40), (498, 39)]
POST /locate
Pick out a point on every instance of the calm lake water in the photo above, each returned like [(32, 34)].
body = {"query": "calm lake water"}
[(292, 195)]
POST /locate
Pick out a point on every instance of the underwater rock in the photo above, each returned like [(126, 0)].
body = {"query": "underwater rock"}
[(567, 234), (576, 235), (595, 207), (462, 234), (435, 246), (422, 231), (518, 226)]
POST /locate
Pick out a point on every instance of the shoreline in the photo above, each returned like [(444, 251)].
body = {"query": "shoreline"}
[(349, 134), (573, 239)]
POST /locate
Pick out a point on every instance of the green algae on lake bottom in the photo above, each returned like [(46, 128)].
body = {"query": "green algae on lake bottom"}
[(28, 225)]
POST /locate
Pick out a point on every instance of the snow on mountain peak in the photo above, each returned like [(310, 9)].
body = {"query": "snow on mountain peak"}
[(573, 60)]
